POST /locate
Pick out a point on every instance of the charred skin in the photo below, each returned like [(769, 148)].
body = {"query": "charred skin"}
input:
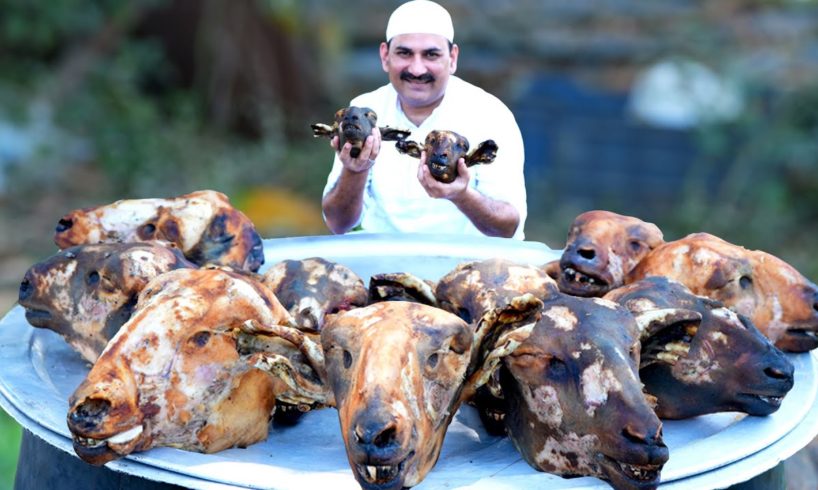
[(202, 224), (353, 125), (777, 299), (443, 150), (473, 288), (401, 286), (699, 357), (86, 292), (395, 404), (182, 372), (601, 249), (312, 288), (575, 405)]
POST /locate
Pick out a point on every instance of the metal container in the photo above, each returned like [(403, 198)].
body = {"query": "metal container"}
[(714, 451)]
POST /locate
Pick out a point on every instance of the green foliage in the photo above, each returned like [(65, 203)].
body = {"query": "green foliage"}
[(10, 434), (768, 199)]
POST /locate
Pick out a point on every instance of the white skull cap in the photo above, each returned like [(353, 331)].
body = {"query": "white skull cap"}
[(420, 17)]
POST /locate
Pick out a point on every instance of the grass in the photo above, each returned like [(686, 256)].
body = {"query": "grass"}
[(10, 434)]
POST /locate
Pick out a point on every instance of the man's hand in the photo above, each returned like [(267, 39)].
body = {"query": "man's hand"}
[(343, 204), (438, 190), (366, 159), (490, 216)]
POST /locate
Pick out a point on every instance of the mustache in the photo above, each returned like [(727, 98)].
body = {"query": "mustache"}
[(425, 78)]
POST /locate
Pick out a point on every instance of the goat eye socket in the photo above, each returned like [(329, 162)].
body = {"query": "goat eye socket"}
[(148, 230), (432, 360), (635, 245), (745, 282), (93, 278), (556, 367), (200, 338), (347, 359)]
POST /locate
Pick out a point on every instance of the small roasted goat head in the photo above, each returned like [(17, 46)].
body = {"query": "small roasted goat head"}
[(574, 401), (395, 403), (602, 248), (777, 299), (188, 371), (315, 287), (473, 288), (203, 225), (399, 371), (443, 150), (86, 292), (352, 125), (698, 357)]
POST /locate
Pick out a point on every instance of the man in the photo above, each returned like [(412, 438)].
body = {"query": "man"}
[(384, 191)]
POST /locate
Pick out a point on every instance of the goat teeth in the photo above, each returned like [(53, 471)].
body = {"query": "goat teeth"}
[(773, 400), (379, 474), (89, 442), (678, 347), (667, 357), (640, 472)]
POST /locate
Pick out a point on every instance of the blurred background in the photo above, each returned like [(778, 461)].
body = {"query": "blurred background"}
[(695, 115)]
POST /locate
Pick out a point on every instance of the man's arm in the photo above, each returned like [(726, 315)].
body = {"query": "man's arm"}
[(491, 216), (343, 204)]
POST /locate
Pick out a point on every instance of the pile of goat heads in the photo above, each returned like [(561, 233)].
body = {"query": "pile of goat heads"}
[(576, 360)]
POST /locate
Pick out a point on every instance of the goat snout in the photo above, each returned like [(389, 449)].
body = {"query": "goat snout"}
[(64, 224), (376, 438), (26, 288)]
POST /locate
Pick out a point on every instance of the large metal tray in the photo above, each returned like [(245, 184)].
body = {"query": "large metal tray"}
[(40, 372)]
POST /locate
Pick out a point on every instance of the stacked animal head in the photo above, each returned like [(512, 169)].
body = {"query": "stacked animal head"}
[(186, 371), (310, 289), (353, 125), (86, 292), (778, 299), (473, 288), (399, 371), (601, 249), (443, 150), (574, 400), (203, 225), (698, 357)]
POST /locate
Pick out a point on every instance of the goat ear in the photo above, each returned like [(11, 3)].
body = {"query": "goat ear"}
[(651, 322), (485, 153), (302, 388), (322, 130), (296, 387), (392, 134), (370, 116), (401, 286), (308, 344), (411, 148), (499, 332)]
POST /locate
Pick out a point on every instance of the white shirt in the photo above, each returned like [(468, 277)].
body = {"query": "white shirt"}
[(394, 200)]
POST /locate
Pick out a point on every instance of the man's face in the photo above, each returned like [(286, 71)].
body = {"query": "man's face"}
[(419, 66)]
